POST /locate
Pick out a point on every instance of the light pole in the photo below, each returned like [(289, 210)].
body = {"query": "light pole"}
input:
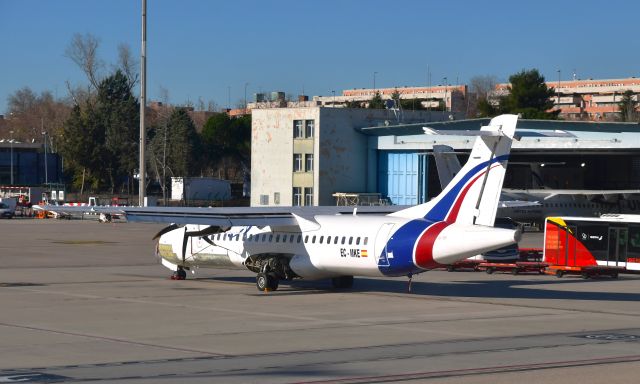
[(142, 185), (558, 90), (11, 142), (374, 82), (334, 98), (446, 89), (46, 169), (245, 97)]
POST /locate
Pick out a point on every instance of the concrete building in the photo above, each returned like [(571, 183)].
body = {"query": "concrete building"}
[(305, 155), (455, 98), (302, 155)]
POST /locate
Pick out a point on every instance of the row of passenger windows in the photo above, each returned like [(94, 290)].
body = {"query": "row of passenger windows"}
[(289, 238), (574, 205)]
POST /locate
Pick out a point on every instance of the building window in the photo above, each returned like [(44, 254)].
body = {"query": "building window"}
[(297, 162), (308, 129), (298, 133), (264, 199), (276, 198), (308, 162), (297, 196), (308, 196)]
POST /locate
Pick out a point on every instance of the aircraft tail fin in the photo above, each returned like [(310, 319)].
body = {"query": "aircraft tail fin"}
[(447, 164), (473, 195)]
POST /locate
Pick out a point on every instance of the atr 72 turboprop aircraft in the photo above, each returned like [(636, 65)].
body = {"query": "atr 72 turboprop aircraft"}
[(453, 226)]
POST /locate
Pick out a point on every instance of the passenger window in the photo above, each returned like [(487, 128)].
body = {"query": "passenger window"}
[(306, 239), (358, 241), (299, 238), (264, 237), (335, 240), (343, 240), (366, 240), (313, 240), (350, 240), (291, 238), (321, 239), (270, 238)]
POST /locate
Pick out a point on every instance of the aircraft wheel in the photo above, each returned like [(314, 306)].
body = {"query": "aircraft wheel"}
[(266, 282), (261, 282), (559, 273), (450, 268), (614, 275), (489, 270), (515, 271), (179, 274), (342, 282), (585, 275)]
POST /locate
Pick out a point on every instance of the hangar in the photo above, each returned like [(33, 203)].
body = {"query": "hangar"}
[(307, 154)]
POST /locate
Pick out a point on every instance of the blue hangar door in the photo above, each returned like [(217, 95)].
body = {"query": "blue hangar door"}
[(402, 177)]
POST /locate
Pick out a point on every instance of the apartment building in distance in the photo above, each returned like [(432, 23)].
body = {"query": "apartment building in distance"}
[(595, 100)]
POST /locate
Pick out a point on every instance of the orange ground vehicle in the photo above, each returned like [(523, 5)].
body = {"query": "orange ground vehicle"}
[(591, 246)]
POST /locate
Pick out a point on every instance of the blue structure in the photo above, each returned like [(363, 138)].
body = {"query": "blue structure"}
[(402, 177)]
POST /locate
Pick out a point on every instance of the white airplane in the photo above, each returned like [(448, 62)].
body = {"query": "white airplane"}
[(280, 244)]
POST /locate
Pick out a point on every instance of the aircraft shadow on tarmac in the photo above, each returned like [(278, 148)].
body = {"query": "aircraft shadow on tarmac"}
[(507, 289)]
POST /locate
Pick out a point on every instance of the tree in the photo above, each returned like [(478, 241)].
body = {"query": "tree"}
[(628, 107), (227, 144), (100, 138), (183, 147), (118, 111), (529, 96), (30, 114), (376, 102), (83, 50), (481, 88)]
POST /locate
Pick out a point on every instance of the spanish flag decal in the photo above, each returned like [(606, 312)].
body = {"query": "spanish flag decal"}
[(363, 253)]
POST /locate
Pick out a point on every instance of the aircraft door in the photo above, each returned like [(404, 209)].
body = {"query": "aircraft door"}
[(617, 255), (382, 238), (570, 251)]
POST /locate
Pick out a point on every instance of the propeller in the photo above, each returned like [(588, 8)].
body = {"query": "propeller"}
[(201, 233), (166, 229), (187, 234)]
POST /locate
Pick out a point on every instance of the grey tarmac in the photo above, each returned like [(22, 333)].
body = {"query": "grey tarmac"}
[(82, 301)]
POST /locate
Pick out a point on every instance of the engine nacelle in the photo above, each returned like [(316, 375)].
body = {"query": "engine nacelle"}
[(303, 267), (457, 242)]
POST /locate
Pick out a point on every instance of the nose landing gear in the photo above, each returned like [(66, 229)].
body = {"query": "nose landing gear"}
[(180, 274)]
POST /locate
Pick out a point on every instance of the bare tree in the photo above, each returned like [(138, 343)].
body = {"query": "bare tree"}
[(127, 64), (483, 85), (83, 50)]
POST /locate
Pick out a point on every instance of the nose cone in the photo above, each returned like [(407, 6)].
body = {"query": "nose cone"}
[(458, 242)]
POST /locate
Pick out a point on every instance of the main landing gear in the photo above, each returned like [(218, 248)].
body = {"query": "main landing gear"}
[(267, 281)]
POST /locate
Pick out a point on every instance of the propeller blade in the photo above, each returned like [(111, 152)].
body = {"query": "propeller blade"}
[(207, 231), (185, 239), (166, 229)]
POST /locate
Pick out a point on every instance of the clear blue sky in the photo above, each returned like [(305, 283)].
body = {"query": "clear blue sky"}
[(198, 48)]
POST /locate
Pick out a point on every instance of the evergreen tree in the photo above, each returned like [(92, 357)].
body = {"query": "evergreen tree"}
[(376, 102), (528, 96), (628, 107), (183, 146)]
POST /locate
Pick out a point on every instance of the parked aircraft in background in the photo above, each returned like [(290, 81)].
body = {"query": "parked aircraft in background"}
[(534, 205), (280, 244)]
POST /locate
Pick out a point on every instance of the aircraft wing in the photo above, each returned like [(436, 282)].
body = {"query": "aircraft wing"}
[(227, 216)]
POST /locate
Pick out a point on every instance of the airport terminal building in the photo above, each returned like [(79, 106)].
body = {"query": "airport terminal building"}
[(310, 154)]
